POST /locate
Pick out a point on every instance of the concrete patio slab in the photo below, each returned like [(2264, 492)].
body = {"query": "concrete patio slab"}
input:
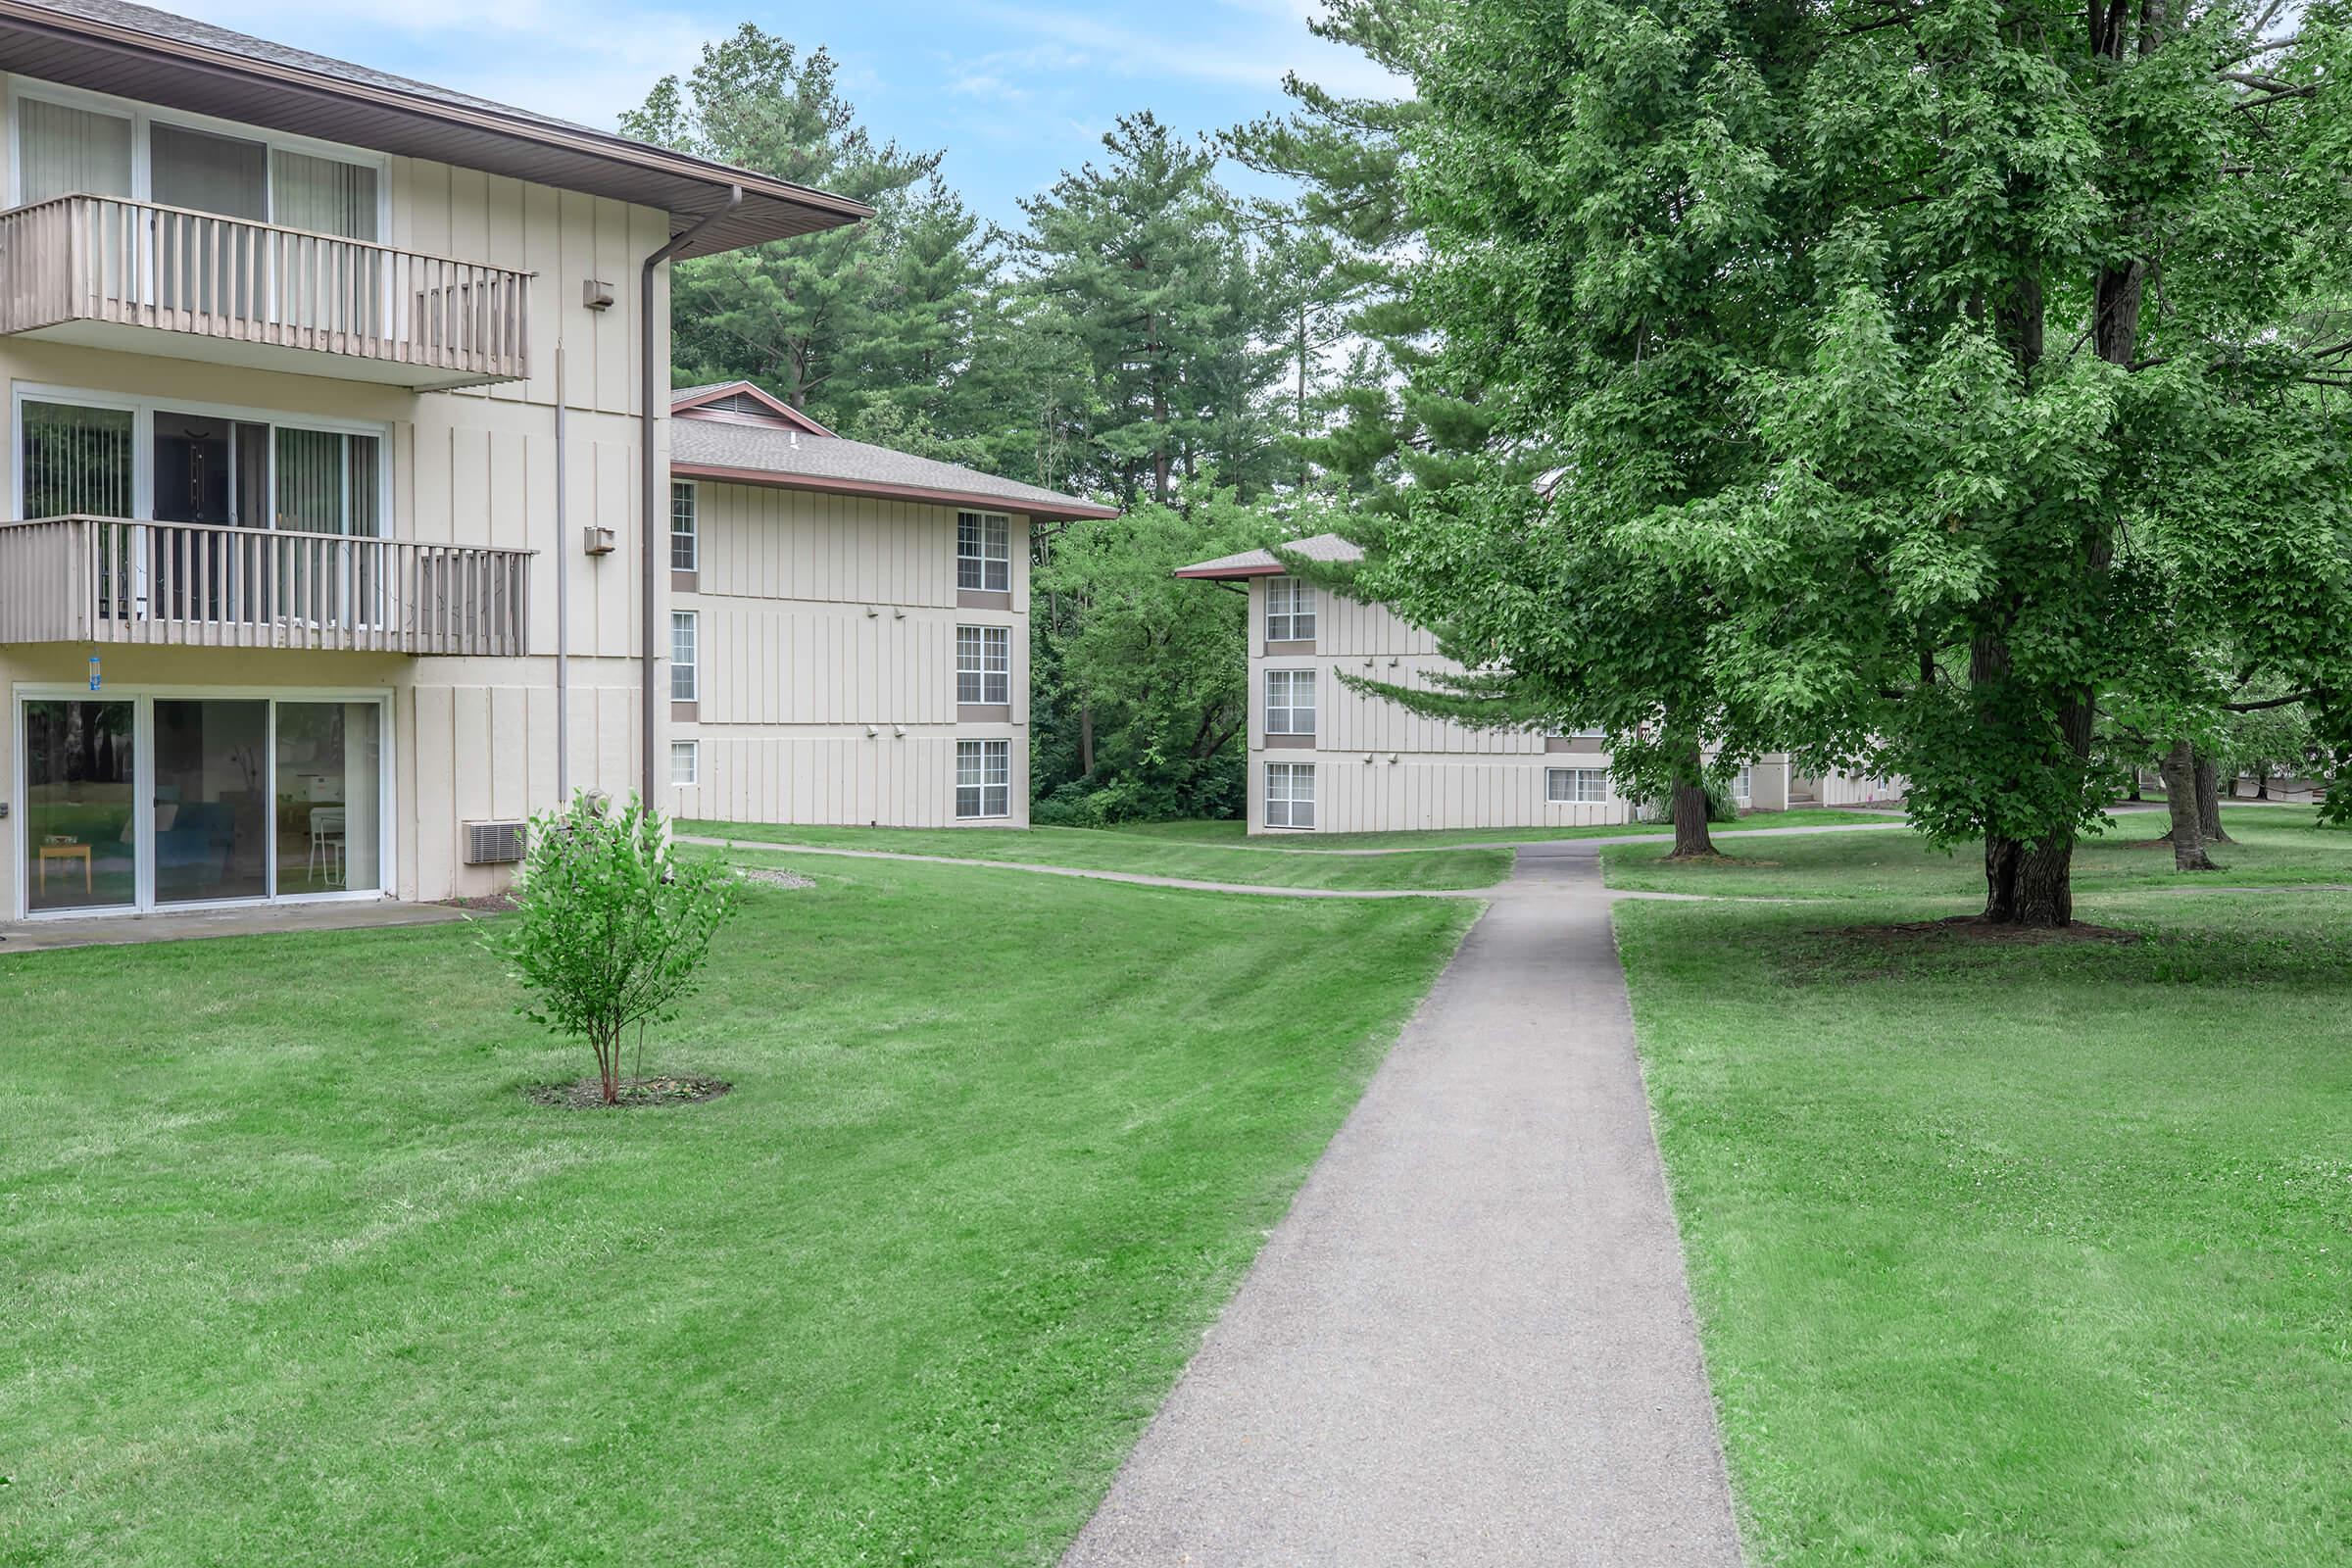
[(259, 920)]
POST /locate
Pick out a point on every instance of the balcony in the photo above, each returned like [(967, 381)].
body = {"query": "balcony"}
[(197, 585), (108, 272)]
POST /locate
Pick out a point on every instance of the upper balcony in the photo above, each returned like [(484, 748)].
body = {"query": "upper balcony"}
[(199, 585), (143, 278)]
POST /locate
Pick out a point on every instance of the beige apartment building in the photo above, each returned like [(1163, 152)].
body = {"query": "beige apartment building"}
[(337, 416), (849, 625), (1326, 758)]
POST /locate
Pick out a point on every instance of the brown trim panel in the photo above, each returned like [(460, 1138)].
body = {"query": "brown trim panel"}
[(684, 582), (983, 713), (1061, 510), (1290, 743), (982, 599), (685, 713), (1293, 649)]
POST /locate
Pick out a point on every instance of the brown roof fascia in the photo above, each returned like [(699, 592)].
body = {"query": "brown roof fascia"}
[(1056, 512), (613, 149), (1223, 573)]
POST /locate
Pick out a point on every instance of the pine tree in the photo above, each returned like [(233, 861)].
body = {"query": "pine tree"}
[(1142, 264)]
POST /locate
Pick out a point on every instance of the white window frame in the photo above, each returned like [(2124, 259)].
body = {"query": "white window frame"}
[(988, 669), (692, 534), (982, 563), (142, 696), (143, 409), (691, 753), (1289, 715), (1743, 784), (985, 752), (1283, 810), (1295, 622), (144, 118), (1586, 786), (686, 674)]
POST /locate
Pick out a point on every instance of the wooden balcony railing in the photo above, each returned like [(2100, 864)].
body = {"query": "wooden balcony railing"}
[(421, 319), (114, 580)]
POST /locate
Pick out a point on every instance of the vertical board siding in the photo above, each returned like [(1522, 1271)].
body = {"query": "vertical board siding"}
[(1382, 768), (822, 616)]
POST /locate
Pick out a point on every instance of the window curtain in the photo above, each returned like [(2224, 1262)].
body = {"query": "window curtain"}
[(323, 195), (76, 460), (310, 481), (62, 151), (195, 169)]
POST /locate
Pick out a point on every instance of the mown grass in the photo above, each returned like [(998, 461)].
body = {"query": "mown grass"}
[(2013, 1255), (1231, 833), (1093, 849), (292, 1273), (2277, 846)]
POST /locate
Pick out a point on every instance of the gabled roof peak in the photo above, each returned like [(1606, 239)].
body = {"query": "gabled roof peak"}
[(742, 402)]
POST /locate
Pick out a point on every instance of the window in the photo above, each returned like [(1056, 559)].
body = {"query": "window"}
[(983, 664), (1743, 783), (1290, 611), (1290, 795), (685, 762), (685, 684), (109, 456), (983, 552), (983, 778), (1575, 786), (1290, 701), (683, 544), (65, 149)]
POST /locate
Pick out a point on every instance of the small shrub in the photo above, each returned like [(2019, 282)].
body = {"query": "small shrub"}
[(610, 928)]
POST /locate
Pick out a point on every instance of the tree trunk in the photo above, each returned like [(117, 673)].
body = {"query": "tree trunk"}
[(2261, 785), (2181, 801), (1692, 840), (2209, 801), (1086, 739)]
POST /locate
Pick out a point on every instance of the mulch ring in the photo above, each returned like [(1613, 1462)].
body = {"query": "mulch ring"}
[(1976, 929), (485, 904), (776, 878), (672, 1089)]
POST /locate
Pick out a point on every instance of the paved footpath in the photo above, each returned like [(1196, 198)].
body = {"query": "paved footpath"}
[(1469, 1342)]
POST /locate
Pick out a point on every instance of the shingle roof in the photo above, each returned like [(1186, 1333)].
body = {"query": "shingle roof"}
[(1264, 564), (755, 453)]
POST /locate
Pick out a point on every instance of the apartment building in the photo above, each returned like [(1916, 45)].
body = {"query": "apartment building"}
[(1326, 758), (337, 423), (849, 625)]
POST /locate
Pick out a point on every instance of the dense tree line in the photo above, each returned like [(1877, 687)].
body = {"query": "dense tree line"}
[(1952, 388)]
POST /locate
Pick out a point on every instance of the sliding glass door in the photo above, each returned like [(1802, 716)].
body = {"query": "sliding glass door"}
[(80, 806), (153, 802)]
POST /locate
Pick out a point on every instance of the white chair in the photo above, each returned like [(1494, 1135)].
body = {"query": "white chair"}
[(326, 844)]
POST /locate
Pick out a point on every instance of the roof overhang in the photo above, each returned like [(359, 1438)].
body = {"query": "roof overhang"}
[(110, 57), (1060, 509), (1208, 573)]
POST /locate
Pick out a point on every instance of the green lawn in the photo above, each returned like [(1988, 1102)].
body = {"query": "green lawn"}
[(292, 1273), (2277, 844), (1238, 833), (1094, 849), (2017, 1255)]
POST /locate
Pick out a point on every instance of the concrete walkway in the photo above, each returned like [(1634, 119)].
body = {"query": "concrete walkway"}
[(1469, 1343), (259, 920)]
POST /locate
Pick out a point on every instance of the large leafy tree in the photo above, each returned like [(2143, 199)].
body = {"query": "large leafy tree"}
[(2043, 432), (1601, 190)]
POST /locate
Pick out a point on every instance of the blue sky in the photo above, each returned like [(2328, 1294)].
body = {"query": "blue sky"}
[(1015, 90)]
